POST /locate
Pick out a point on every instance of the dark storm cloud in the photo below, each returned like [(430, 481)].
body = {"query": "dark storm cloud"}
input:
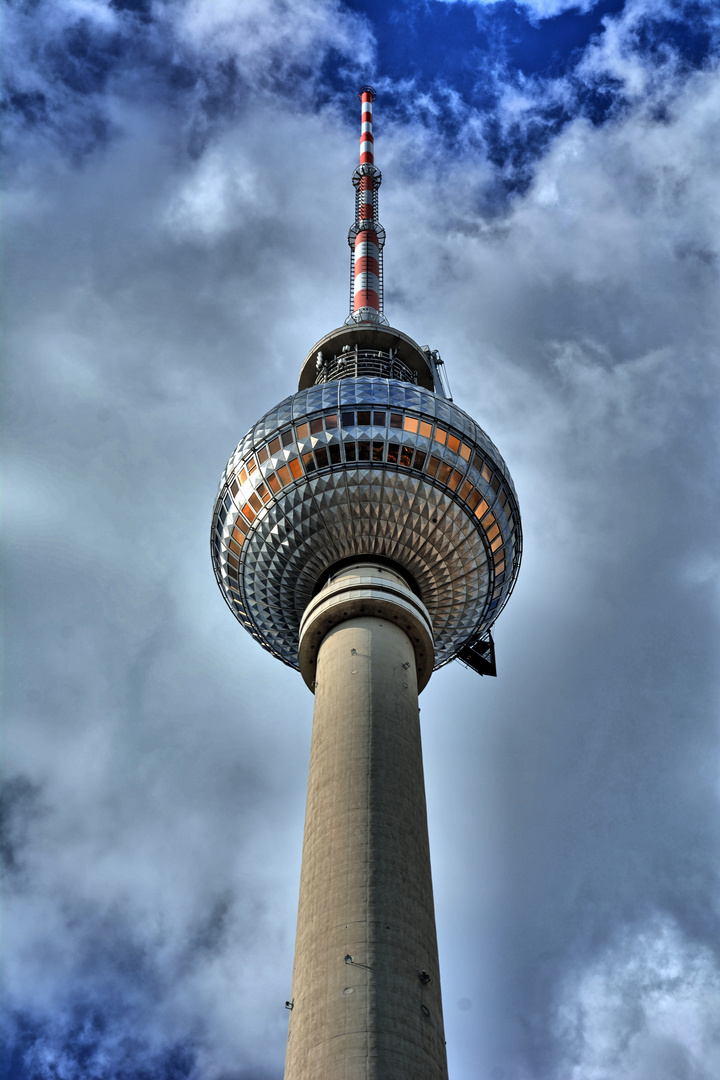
[(18, 807), (162, 291)]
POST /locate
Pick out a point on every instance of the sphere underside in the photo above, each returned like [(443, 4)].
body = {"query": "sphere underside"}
[(366, 466)]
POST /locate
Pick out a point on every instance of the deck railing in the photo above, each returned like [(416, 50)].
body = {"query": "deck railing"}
[(356, 362)]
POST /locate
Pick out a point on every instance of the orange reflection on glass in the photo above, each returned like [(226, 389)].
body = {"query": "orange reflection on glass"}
[(443, 472), (251, 466), (433, 464), (455, 478), (273, 482), (295, 468), (425, 429), (234, 546), (262, 454), (284, 475), (275, 445), (453, 443), (465, 451), (255, 502), (496, 544), (243, 476), (303, 430), (248, 512), (440, 436), (481, 509), (465, 490), (411, 424)]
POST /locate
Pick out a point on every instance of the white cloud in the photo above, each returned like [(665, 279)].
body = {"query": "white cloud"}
[(618, 53), (220, 191), (268, 37), (538, 9)]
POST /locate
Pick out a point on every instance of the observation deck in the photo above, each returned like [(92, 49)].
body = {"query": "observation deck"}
[(366, 460), (365, 349)]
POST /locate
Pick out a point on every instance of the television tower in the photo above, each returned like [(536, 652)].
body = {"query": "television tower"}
[(366, 531)]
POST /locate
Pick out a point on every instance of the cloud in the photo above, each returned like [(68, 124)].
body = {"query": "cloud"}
[(72, 66), (645, 1008), (269, 40), (649, 45), (514, 97), (140, 930), (648, 11), (536, 9), (578, 328), (162, 290)]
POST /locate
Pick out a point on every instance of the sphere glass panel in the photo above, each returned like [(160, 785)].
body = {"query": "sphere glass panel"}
[(358, 467)]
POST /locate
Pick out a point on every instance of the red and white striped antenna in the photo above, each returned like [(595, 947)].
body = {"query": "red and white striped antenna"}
[(366, 236)]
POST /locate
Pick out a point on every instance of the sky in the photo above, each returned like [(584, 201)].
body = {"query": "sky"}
[(176, 203)]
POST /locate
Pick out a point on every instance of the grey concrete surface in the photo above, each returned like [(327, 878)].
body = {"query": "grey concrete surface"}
[(366, 983)]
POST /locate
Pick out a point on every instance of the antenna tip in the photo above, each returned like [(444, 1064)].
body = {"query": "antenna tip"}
[(366, 90)]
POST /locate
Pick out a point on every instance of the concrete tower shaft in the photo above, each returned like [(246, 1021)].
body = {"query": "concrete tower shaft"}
[(366, 986)]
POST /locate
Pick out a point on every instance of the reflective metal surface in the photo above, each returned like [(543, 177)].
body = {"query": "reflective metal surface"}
[(366, 466)]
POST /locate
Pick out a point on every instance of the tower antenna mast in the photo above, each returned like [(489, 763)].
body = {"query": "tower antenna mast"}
[(366, 235)]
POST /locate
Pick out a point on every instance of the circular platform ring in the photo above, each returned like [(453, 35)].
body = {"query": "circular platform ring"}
[(372, 590)]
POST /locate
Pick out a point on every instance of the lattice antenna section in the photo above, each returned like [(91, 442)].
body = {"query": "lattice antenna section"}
[(366, 235)]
